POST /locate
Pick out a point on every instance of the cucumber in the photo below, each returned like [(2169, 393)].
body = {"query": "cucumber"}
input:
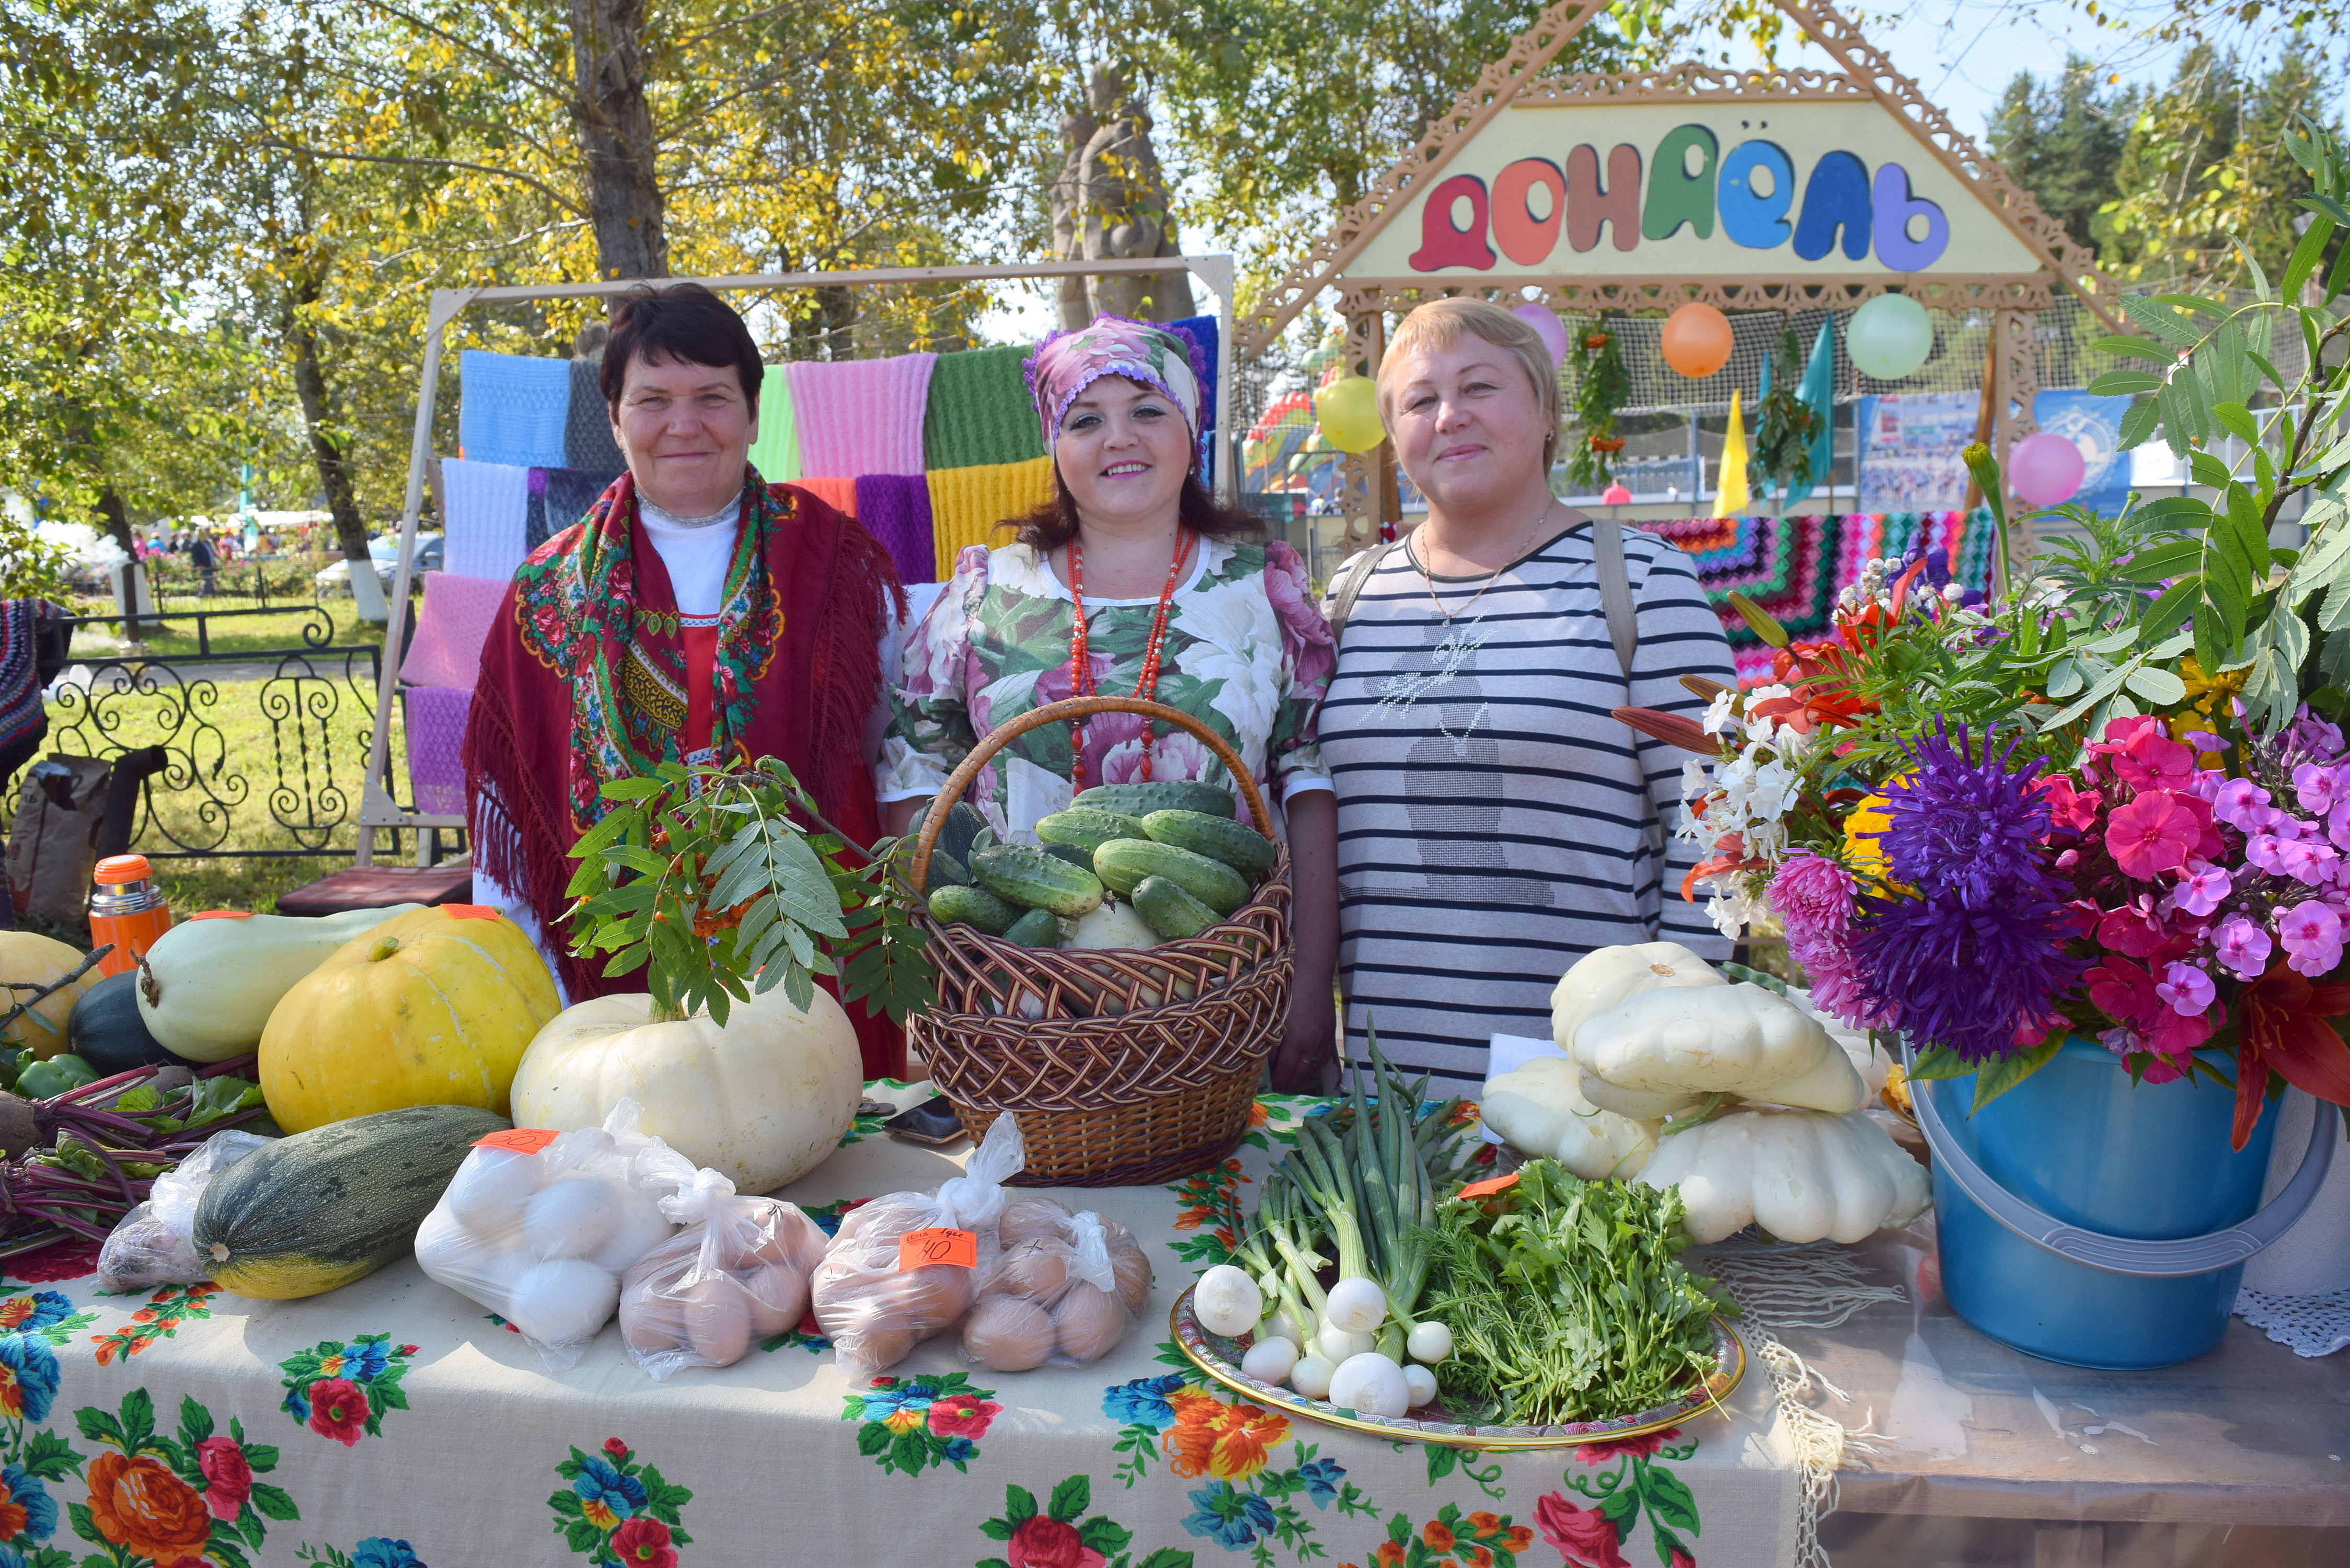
[(946, 871), (1123, 863), (973, 907), (1238, 845), (1088, 827), (1169, 910), (1075, 855), (1025, 875), (962, 827), (1173, 794), (1036, 929)]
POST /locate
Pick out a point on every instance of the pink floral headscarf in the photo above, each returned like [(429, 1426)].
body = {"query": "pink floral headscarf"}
[(1066, 363)]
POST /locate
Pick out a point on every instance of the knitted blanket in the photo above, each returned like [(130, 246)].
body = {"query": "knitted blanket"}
[(487, 507), (860, 416), (560, 497), (436, 735), (450, 628), (20, 683), (514, 409), (896, 510), (776, 452), (840, 495), (966, 503), (587, 441), (979, 412)]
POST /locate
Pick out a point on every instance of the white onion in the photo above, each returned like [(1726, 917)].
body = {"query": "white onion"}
[(1269, 1360), (1227, 1302), (1337, 1345), (1370, 1384), (1356, 1304), (1310, 1375), (1419, 1384), (1277, 1326), (1431, 1342)]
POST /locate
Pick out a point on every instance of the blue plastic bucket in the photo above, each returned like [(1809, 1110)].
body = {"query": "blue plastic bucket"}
[(2090, 1220)]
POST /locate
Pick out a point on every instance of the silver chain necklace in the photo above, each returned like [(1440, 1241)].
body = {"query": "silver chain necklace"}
[(1428, 576)]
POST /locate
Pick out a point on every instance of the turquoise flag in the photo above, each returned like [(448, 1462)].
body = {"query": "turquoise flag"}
[(1818, 391)]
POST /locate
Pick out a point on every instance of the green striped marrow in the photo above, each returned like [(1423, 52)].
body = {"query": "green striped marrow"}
[(1022, 874), (1139, 800), (960, 833), (1237, 845), (946, 871), (310, 1213), (1123, 863)]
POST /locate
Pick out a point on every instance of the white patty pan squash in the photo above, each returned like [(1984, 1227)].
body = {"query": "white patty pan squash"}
[(1540, 1109), (1605, 978), (1801, 1175), (207, 987), (1661, 1053), (763, 1098)]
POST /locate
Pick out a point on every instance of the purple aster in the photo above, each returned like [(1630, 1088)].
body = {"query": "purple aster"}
[(1960, 977), (1967, 829)]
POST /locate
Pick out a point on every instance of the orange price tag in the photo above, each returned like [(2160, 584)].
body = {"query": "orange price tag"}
[(222, 915), (918, 1248), (469, 912), (1489, 1186), (522, 1140)]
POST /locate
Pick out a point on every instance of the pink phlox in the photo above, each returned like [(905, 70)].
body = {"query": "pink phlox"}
[(2134, 929), (2243, 805), (2243, 946), (2312, 935), (2152, 759), (2185, 989), (2316, 787), (2123, 991), (2310, 862), (2207, 886), (2178, 1034), (2153, 833), (2069, 809)]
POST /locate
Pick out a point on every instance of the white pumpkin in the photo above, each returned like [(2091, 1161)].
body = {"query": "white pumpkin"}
[(1540, 1109), (763, 1099), (1605, 978), (1662, 1052), (208, 985), (1801, 1175), (1112, 924)]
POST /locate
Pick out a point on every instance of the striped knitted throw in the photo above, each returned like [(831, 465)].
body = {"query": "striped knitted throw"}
[(860, 416), (776, 453), (896, 510), (966, 503), (979, 410), (587, 441)]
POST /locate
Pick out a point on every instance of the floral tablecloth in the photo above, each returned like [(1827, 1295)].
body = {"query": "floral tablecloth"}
[(393, 1423)]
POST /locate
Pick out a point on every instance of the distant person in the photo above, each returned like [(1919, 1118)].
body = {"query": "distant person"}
[(206, 563)]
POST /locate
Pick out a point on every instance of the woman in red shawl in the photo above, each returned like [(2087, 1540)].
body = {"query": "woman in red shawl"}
[(698, 614)]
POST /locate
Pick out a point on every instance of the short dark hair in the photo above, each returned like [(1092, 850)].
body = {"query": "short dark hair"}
[(684, 323), (1055, 522)]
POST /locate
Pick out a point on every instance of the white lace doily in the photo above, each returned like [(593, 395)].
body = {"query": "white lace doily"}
[(2312, 1325)]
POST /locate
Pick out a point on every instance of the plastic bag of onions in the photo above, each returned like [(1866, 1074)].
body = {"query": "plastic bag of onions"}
[(1066, 1290), (875, 1298), (737, 1274)]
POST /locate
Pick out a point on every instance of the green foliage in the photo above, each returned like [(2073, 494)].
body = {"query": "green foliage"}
[(1785, 425), (712, 878), (2062, 139), (1602, 386)]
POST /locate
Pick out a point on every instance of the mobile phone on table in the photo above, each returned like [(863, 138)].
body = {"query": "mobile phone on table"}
[(931, 1122)]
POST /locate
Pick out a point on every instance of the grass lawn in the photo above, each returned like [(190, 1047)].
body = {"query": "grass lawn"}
[(226, 630)]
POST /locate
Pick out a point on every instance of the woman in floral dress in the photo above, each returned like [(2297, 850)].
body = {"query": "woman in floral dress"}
[(1182, 604)]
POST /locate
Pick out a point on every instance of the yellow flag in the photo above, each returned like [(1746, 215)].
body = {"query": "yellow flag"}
[(1732, 498)]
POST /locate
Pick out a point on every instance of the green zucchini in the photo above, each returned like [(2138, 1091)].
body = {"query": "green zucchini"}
[(1024, 874), (963, 825), (1237, 845), (946, 871), (1123, 863), (312, 1212), (1088, 827), (1036, 929), (974, 907), (108, 1030), (1169, 910), (1170, 795)]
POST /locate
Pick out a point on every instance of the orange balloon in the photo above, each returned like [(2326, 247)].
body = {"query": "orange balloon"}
[(1697, 340)]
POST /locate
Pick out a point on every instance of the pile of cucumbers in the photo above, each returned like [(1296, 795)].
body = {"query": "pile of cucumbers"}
[(1170, 852)]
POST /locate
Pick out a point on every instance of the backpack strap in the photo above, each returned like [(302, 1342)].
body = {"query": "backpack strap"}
[(1350, 586), (1614, 589)]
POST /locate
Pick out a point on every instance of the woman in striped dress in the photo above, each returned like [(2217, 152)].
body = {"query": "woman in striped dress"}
[(1495, 824)]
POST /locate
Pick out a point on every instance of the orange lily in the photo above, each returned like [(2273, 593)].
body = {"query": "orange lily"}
[(2283, 1028)]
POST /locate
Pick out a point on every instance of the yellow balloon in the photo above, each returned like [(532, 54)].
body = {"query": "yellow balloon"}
[(1348, 410)]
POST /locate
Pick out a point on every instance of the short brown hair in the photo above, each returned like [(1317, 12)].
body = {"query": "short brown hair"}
[(1055, 522), (1440, 322), (684, 323)]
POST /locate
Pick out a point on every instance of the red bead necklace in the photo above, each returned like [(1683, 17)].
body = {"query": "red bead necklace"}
[(1081, 672)]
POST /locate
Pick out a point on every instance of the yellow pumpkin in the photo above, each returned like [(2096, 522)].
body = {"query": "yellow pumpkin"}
[(431, 1007), (32, 962)]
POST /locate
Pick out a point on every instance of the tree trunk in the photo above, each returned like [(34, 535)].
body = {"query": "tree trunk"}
[(1123, 207), (115, 517), (326, 451), (1070, 297), (615, 128)]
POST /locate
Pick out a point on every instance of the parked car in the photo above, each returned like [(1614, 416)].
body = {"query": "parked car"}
[(334, 577)]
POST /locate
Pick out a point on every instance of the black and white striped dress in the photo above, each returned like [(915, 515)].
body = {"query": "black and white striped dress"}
[(1495, 824)]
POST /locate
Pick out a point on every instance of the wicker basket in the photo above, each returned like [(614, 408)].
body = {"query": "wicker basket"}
[(1123, 1067)]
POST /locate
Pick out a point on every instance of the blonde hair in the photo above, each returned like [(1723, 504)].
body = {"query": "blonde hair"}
[(1438, 324)]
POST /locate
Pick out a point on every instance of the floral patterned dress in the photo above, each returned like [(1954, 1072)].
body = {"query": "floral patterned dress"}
[(1246, 652)]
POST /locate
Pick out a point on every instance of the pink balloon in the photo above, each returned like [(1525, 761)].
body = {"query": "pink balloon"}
[(1548, 328), (1615, 496), (2045, 470)]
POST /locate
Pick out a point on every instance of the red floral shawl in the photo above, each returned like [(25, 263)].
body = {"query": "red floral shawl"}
[(583, 680)]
